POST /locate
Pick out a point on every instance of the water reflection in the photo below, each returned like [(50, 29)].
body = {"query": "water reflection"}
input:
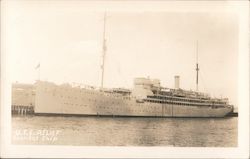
[(108, 131)]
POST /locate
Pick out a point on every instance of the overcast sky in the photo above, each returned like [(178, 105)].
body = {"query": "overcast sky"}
[(66, 39)]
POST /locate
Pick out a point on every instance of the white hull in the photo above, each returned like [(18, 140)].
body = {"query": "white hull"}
[(53, 99)]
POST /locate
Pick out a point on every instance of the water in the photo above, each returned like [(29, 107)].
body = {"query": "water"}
[(108, 131)]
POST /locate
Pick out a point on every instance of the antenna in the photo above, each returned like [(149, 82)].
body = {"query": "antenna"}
[(104, 48), (197, 68)]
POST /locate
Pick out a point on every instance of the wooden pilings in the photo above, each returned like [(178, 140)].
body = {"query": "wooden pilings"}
[(22, 110)]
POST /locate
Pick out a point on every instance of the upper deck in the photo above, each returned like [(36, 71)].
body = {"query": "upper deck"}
[(151, 91)]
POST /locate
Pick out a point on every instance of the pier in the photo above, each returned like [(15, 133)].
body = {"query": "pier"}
[(232, 114), (22, 110)]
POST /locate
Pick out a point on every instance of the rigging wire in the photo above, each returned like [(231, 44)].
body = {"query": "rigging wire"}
[(203, 82)]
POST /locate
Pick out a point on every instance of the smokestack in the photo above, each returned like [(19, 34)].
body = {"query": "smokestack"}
[(177, 82)]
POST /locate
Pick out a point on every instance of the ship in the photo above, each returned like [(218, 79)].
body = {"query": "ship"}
[(147, 98)]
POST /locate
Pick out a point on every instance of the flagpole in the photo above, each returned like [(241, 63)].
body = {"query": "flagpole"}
[(38, 67), (39, 73)]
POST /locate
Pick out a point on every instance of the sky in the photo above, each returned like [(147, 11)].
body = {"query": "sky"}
[(66, 38)]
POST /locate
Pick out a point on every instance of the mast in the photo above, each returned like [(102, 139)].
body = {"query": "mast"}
[(197, 68), (104, 48)]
